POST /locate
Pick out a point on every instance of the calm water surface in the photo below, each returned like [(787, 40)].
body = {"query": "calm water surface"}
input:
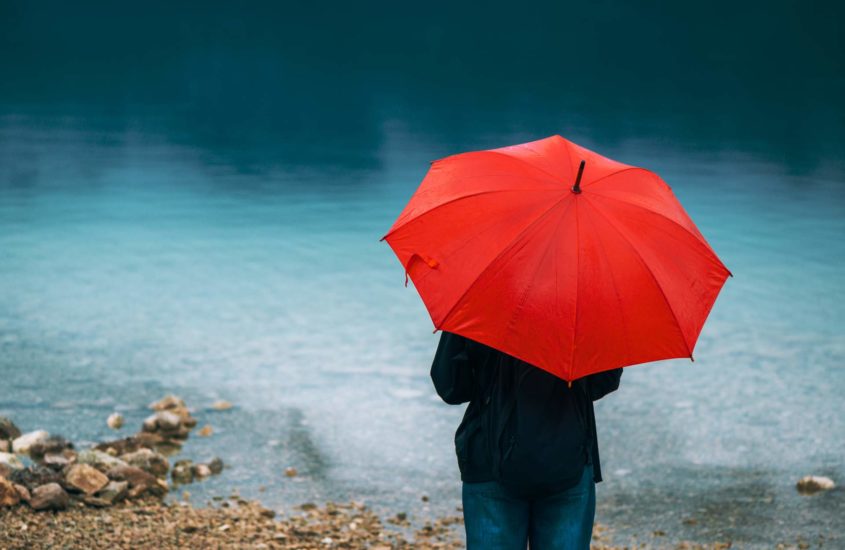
[(168, 228)]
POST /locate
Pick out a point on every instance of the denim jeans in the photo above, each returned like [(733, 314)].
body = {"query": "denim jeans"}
[(495, 519)]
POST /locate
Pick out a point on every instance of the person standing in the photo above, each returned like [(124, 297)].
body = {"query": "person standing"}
[(527, 447)]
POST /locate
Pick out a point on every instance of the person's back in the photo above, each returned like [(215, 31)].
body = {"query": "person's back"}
[(527, 446)]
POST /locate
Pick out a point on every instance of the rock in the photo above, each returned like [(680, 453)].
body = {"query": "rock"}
[(169, 447), (99, 459), (36, 475), (149, 461), (5, 471), (813, 484), (115, 421), (290, 471), (86, 479), (9, 496), (141, 440), (22, 444), (5, 446), (140, 482), (167, 402), (122, 446), (183, 472), (23, 492), (189, 421), (8, 430), (201, 471), (163, 420), (10, 460), (177, 406), (53, 444), (49, 497), (147, 440), (205, 431), (150, 423), (221, 405), (267, 513), (172, 423), (180, 433), (216, 465), (111, 494), (58, 461)]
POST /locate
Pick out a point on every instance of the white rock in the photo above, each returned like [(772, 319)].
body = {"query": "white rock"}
[(11, 461), (22, 444), (201, 471), (814, 484), (168, 421), (162, 420), (115, 421)]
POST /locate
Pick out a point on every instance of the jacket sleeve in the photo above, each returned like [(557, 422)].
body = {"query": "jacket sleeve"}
[(602, 383), (452, 369)]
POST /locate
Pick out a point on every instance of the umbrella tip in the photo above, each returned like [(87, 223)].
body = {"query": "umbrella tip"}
[(577, 187)]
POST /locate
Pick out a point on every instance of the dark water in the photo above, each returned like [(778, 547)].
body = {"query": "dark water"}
[(191, 199)]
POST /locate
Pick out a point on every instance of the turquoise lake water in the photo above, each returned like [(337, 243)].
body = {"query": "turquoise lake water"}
[(206, 220)]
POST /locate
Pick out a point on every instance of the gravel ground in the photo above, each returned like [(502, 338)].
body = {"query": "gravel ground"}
[(235, 523), (238, 523)]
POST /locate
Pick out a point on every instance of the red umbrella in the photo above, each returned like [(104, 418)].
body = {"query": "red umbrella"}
[(561, 257)]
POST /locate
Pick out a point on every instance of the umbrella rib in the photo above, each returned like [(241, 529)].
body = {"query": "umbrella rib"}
[(610, 175), (456, 199), (521, 303), (504, 251), (653, 276), (699, 238), (577, 284)]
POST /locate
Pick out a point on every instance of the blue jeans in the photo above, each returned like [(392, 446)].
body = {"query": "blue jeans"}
[(495, 519)]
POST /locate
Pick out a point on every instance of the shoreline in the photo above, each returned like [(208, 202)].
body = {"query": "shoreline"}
[(113, 495)]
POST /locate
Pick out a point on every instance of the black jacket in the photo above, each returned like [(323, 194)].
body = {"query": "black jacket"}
[(523, 425)]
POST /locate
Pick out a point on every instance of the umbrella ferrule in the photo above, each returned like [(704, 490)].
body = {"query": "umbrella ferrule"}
[(577, 187)]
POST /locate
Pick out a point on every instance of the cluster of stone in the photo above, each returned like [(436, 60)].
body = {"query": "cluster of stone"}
[(47, 473)]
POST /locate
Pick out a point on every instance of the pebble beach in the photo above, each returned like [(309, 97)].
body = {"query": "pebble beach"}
[(115, 495)]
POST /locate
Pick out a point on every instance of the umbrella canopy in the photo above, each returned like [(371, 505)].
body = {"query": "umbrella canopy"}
[(558, 256)]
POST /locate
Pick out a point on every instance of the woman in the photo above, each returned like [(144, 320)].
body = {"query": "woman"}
[(527, 447)]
